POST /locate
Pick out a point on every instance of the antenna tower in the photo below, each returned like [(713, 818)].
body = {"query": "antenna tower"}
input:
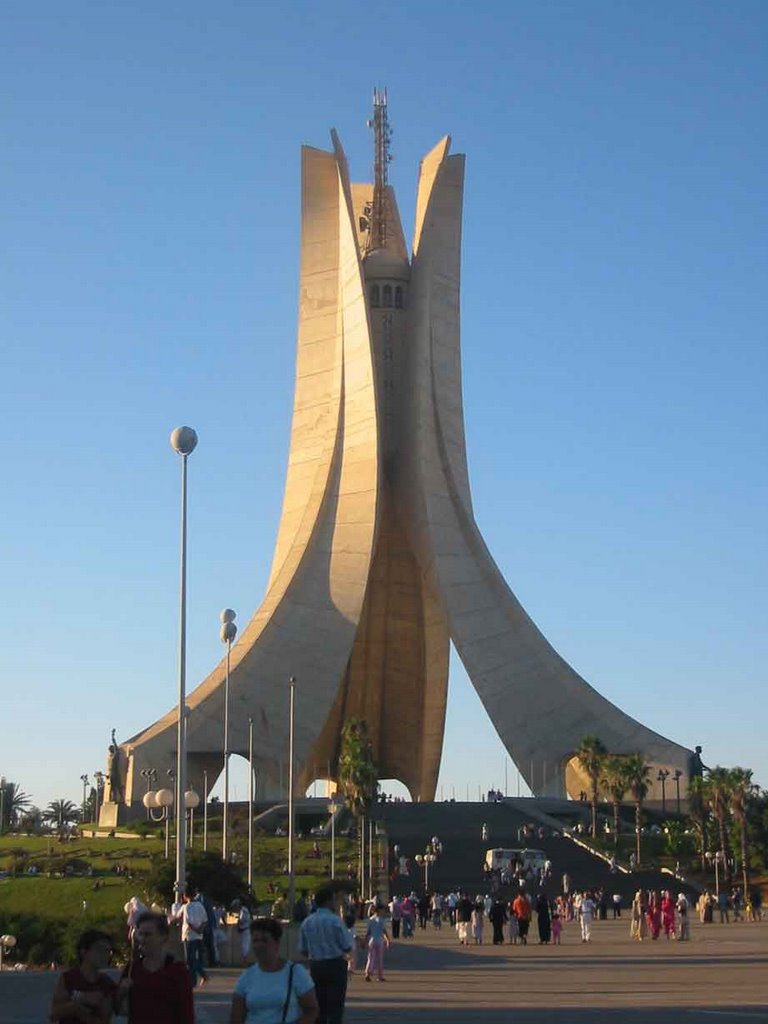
[(377, 239)]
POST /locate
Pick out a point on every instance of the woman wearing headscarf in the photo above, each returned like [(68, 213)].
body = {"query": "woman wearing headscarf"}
[(638, 928), (654, 915), (544, 919), (668, 914)]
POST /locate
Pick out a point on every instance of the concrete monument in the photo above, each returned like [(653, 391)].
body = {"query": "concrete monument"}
[(379, 562)]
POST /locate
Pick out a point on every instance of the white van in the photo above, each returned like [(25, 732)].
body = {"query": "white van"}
[(502, 859)]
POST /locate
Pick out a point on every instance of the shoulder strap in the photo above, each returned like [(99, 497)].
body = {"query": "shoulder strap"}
[(288, 993)]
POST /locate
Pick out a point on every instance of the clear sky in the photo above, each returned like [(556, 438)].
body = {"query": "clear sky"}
[(614, 339)]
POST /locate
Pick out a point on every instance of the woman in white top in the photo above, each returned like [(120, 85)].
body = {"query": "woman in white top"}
[(273, 991)]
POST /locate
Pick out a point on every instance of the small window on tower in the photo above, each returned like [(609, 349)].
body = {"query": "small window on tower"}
[(375, 296), (386, 292), (398, 297)]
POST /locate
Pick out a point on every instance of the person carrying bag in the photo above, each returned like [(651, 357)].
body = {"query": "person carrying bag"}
[(273, 990)]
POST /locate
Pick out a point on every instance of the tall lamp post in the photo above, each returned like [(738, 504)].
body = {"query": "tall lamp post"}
[(84, 780), (98, 778), (424, 860), (183, 442), (228, 633), (662, 777), (677, 776), (2, 805), (191, 801), (149, 775), (250, 804), (332, 809), (205, 809), (291, 864), (160, 800)]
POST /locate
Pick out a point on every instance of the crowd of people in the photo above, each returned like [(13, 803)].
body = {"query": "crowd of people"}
[(155, 986)]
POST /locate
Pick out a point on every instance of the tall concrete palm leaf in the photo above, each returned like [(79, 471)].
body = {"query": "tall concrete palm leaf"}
[(591, 756)]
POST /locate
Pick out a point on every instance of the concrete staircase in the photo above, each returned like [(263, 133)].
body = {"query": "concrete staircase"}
[(458, 826)]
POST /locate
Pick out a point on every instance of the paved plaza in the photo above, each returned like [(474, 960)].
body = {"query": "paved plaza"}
[(721, 977)]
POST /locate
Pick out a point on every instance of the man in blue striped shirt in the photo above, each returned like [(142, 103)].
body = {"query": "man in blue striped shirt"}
[(325, 941)]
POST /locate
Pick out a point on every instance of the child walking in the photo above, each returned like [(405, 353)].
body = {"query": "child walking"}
[(378, 937)]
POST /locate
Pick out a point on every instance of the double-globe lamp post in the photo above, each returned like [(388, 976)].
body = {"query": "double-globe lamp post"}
[(183, 442), (228, 634), (424, 860)]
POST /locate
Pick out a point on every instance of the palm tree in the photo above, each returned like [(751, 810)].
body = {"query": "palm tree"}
[(31, 820), (699, 813), (615, 783), (14, 803), (742, 789), (638, 780), (61, 813), (591, 754), (718, 794), (358, 775)]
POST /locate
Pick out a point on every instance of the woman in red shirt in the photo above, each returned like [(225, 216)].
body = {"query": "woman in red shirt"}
[(83, 994), (154, 986)]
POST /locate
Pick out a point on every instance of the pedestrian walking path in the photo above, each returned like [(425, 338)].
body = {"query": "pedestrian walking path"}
[(719, 977)]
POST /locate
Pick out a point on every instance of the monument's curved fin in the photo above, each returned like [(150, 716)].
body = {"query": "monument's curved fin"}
[(539, 705), (307, 621)]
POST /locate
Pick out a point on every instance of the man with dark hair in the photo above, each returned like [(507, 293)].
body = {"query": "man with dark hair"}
[(325, 942), (85, 993), (194, 920), (155, 987)]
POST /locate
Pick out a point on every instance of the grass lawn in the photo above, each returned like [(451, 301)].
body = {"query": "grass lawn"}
[(84, 870)]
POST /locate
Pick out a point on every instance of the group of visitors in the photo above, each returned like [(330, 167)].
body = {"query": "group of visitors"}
[(656, 912), (730, 906), (156, 988)]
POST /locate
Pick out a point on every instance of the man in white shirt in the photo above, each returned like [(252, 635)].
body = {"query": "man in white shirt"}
[(193, 919), (586, 916)]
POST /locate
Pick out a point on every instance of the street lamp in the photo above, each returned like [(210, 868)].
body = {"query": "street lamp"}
[(84, 780), (250, 804), (184, 442), (228, 633), (291, 865), (424, 860), (718, 858), (2, 805), (6, 942), (205, 809), (333, 808), (98, 778), (662, 777), (160, 800), (677, 776), (191, 801), (149, 775)]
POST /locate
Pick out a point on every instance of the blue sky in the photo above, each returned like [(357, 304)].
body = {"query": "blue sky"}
[(614, 339)]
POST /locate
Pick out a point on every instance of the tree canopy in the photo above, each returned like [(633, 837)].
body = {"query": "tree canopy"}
[(358, 774)]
